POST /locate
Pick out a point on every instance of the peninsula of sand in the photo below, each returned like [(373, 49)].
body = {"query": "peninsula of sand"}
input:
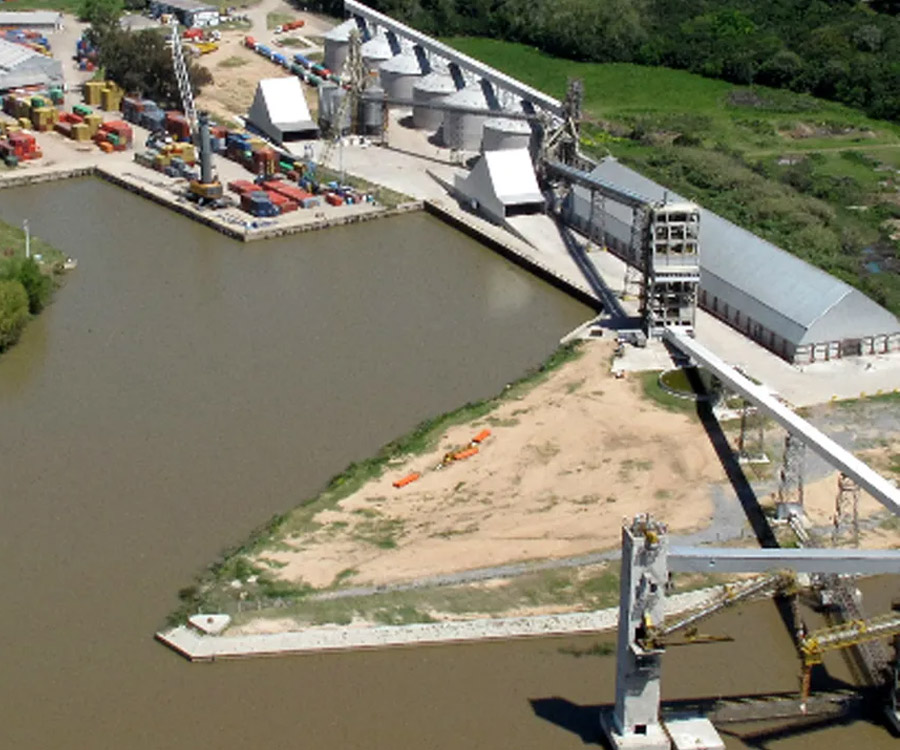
[(525, 525)]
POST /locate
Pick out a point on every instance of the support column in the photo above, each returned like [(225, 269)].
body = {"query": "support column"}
[(746, 453), (635, 721)]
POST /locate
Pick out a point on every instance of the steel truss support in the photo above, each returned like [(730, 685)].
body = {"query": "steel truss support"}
[(758, 451), (790, 486), (846, 511)]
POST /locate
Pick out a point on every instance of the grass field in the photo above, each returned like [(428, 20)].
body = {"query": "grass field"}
[(816, 178)]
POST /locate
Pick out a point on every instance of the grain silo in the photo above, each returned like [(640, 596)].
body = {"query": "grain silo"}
[(462, 130), (330, 98), (372, 110), (337, 45), (399, 74), (376, 51), (502, 133), (432, 88)]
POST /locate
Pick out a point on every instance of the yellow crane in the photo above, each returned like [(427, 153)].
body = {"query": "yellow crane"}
[(816, 644)]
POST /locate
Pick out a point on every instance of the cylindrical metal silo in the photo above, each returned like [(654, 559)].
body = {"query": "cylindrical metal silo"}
[(337, 43), (502, 133), (399, 74), (372, 113), (462, 130), (376, 51), (330, 97), (434, 87)]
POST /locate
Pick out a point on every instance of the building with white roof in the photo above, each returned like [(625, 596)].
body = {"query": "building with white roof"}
[(280, 111), (502, 184), (796, 310), (30, 19)]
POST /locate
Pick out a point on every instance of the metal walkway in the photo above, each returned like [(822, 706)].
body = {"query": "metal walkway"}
[(868, 479)]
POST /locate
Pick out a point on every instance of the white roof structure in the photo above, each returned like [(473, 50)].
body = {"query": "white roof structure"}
[(280, 110), (786, 295), (21, 66), (31, 19), (503, 184)]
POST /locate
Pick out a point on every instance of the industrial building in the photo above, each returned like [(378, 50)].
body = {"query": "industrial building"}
[(502, 184), (188, 12), (280, 111), (780, 301), (22, 66), (38, 19)]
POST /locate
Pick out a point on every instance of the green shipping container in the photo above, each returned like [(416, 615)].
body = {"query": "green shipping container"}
[(82, 110), (56, 96), (113, 139), (11, 160)]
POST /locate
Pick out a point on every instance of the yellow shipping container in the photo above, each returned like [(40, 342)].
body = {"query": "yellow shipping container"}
[(81, 131), (187, 152), (25, 123), (91, 92), (110, 99), (41, 118), (162, 160), (93, 122), (22, 107)]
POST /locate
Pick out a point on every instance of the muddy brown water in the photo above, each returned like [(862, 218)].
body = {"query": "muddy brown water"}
[(182, 389)]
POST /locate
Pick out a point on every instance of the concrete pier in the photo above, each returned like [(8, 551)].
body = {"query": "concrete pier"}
[(195, 646)]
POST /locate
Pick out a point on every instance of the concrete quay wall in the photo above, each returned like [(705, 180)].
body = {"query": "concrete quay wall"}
[(504, 243), (196, 646)]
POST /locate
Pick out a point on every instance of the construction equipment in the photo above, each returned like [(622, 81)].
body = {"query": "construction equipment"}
[(207, 189)]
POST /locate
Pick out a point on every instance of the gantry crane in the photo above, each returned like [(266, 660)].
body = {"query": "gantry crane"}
[(207, 189)]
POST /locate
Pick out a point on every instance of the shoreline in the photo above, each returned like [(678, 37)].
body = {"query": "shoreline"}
[(197, 647)]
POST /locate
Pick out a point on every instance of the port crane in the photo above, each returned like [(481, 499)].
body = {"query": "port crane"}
[(206, 189)]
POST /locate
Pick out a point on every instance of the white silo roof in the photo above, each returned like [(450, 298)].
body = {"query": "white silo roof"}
[(402, 64), (341, 32), (436, 83), (377, 48), (471, 96)]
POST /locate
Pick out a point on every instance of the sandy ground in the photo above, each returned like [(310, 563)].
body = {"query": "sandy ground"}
[(563, 465)]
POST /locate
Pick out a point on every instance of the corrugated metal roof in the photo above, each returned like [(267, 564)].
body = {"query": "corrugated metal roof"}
[(778, 280), (341, 32), (30, 18), (191, 6), (402, 64), (12, 55)]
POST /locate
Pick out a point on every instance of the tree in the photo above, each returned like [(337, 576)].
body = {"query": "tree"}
[(102, 15), (141, 64)]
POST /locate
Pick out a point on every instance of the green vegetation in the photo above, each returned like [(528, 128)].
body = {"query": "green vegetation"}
[(25, 283), (652, 390), (382, 195), (601, 648), (214, 589), (583, 589), (843, 50), (811, 176), (233, 62)]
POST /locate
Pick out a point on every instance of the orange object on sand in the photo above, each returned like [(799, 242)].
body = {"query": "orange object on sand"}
[(481, 436), (408, 479), (467, 453)]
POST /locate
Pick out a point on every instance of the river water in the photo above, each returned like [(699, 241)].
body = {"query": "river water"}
[(182, 389)]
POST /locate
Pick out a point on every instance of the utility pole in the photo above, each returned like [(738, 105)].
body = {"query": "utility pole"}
[(27, 238)]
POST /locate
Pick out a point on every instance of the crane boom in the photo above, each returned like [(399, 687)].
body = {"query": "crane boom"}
[(184, 81), (847, 634)]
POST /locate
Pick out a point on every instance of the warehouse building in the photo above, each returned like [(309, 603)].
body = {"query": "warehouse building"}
[(780, 301), (188, 12), (502, 184), (280, 112), (44, 20), (22, 66)]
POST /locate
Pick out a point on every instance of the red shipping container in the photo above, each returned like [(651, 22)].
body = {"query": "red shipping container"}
[(241, 186), (333, 200), (289, 191)]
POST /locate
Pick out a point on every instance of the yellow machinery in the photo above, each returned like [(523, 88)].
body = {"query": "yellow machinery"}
[(815, 645), (204, 48)]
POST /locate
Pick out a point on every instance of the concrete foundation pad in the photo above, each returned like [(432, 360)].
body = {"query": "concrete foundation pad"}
[(654, 739), (693, 733), (210, 624)]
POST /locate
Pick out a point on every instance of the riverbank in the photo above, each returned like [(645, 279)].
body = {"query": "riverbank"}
[(565, 456)]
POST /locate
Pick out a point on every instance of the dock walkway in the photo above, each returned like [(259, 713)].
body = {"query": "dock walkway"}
[(195, 646)]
